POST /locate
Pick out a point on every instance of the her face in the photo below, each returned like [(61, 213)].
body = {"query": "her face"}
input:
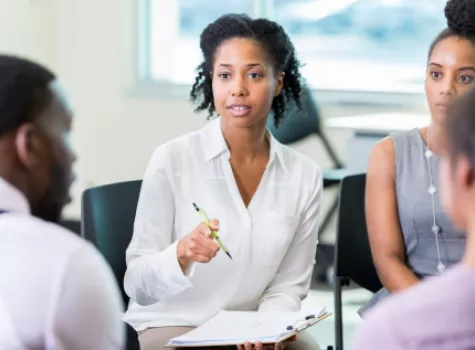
[(244, 82), (450, 71)]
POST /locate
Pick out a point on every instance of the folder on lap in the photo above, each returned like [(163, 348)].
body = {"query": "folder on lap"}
[(237, 327)]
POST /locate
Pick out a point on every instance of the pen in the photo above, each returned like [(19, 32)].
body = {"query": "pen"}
[(213, 233)]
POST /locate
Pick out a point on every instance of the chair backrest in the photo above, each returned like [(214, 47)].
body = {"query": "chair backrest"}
[(353, 257), (108, 215), (297, 124), (71, 225)]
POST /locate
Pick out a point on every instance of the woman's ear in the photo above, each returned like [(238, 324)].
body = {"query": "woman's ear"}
[(28, 145), (280, 83)]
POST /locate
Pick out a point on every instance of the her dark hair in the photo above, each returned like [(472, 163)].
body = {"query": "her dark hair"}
[(460, 130), (460, 16), (274, 41)]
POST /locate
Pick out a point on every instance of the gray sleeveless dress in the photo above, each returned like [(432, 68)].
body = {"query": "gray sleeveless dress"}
[(415, 210)]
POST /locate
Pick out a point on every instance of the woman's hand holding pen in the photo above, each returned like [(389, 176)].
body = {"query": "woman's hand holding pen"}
[(198, 246)]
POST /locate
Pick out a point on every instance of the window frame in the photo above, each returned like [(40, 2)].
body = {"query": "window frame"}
[(147, 87)]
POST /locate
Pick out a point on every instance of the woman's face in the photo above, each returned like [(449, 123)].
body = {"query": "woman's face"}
[(450, 71), (244, 82)]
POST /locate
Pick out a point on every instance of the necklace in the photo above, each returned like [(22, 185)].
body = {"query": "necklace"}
[(432, 190)]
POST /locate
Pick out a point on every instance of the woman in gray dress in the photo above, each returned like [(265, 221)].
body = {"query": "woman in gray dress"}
[(411, 236)]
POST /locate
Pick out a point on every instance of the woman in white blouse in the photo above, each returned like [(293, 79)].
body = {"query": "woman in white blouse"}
[(264, 196)]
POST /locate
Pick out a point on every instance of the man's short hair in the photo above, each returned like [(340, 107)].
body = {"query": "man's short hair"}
[(24, 91)]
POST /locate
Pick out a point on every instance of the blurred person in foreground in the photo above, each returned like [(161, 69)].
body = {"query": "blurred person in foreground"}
[(56, 290)]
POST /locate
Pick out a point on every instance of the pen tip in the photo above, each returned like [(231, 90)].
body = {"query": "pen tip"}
[(196, 207), (230, 257)]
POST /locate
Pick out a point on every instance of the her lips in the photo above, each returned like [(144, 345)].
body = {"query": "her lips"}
[(238, 107), (239, 110)]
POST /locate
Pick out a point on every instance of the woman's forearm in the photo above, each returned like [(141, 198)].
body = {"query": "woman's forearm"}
[(396, 275)]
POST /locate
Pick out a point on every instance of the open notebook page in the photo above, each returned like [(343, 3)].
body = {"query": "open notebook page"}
[(239, 326)]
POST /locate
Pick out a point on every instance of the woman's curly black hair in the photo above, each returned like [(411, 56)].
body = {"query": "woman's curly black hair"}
[(273, 39), (460, 16)]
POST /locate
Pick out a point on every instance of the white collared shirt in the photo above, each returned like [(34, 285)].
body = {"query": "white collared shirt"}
[(56, 290), (272, 241)]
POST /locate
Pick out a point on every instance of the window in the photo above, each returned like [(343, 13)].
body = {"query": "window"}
[(349, 45), (175, 27), (370, 45)]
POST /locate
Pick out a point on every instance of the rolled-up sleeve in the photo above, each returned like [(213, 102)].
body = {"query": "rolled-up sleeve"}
[(153, 272), (292, 280)]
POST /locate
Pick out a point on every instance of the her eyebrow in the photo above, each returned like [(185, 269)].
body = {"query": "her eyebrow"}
[(248, 65), (467, 68), (471, 68)]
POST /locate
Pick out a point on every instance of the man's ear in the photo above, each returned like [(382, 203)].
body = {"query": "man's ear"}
[(28, 145), (280, 83)]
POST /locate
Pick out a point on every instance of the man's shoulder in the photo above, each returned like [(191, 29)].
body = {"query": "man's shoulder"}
[(46, 253), (46, 240), (54, 233), (434, 303)]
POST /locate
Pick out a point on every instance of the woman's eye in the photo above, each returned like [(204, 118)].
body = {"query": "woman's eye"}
[(224, 75), (435, 75), (255, 75), (465, 79)]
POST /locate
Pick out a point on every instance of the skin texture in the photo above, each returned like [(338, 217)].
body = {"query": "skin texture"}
[(198, 246), (271, 37), (450, 72), (243, 75)]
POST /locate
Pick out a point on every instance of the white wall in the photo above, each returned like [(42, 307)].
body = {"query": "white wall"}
[(27, 28), (90, 44)]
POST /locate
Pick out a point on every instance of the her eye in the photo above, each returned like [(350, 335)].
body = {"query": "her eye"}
[(224, 75), (465, 79), (255, 75), (435, 75)]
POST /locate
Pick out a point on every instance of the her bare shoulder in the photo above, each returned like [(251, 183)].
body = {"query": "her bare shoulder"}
[(382, 161)]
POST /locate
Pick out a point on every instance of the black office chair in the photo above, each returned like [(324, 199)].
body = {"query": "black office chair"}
[(297, 125), (108, 214), (353, 259)]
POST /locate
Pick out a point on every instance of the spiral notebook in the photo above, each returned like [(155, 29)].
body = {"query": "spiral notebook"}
[(237, 327)]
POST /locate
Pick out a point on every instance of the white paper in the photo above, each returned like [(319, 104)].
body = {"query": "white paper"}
[(241, 326)]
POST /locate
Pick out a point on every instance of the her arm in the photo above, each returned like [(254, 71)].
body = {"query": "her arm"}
[(153, 270), (385, 236)]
